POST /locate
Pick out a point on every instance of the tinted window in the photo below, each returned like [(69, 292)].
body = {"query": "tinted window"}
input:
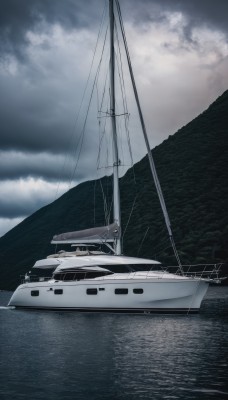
[(79, 276), (118, 268), (138, 291), (34, 293), (95, 274), (126, 268), (91, 291), (58, 277), (101, 288), (69, 277), (58, 291), (121, 291)]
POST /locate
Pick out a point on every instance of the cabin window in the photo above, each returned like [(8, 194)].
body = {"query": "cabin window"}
[(35, 293), (79, 276), (118, 268), (58, 277), (58, 291), (101, 288), (138, 291), (91, 291), (69, 277), (121, 291)]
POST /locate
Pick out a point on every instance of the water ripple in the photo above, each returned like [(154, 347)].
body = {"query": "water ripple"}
[(57, 355)]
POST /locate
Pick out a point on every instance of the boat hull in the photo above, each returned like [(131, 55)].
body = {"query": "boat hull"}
[(169, 296)]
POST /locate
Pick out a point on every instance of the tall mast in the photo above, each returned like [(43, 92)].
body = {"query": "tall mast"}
[(116, 162)]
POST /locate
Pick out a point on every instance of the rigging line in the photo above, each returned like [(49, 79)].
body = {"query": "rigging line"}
[(94, 202), (97, 92), (157, 184), (119, 114), (156, 253), (144, 237), (100, 145), (124, 97), (119, 122), (104, 91), (105, 204), (108, 195), (107, 136), (120, 137), (122, 76), (159, 249), (132, 208), (87, 112), (110, 208), (99, 70), (82, 135), (151, 161), (101, 137), (101, 141), (83, 96)]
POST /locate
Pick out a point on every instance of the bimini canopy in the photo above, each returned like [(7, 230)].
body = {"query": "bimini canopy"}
[(101, 234)]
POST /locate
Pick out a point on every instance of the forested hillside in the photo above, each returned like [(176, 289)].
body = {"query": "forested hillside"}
[(192, 168)]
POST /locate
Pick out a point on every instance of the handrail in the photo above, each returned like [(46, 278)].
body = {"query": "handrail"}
[(205, 271), (200, 271)]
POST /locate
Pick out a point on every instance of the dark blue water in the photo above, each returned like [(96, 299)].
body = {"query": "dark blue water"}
[(60, 355)]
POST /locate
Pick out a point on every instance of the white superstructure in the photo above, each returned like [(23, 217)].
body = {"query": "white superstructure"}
[(88, 283)]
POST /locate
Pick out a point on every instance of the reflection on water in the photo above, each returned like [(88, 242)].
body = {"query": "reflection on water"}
[(60, 355)]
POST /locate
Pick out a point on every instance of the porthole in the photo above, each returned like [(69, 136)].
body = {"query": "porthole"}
[(35, 293), (121, 291), (58, 291), (138, 291), (91, 291)]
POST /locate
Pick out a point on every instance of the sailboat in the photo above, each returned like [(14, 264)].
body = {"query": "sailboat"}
[(88, 279)]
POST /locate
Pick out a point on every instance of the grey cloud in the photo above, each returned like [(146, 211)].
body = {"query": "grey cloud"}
[(17, 17), (14, 165), (39, 116), (210, 13), (49, 167)]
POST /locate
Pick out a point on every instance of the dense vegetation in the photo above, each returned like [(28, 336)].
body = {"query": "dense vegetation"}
[(192, 167)]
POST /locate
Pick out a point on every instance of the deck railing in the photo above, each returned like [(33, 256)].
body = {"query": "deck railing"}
[(211, 272), (204, 271)]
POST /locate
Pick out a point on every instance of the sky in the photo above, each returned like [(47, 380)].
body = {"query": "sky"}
[(179, 53)]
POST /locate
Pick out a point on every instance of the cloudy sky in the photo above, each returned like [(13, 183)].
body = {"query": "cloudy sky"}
[(179, 53)]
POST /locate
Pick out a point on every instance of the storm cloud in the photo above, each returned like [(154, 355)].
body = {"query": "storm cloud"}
[(179, 53), (17, 18)]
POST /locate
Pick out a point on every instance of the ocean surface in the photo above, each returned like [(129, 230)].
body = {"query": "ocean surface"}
[(69, 355)]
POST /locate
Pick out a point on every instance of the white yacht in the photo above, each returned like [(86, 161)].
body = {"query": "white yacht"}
[(110, 283), (87, 279)]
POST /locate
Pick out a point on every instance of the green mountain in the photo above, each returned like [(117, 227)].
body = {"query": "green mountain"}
[(192, 168)]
